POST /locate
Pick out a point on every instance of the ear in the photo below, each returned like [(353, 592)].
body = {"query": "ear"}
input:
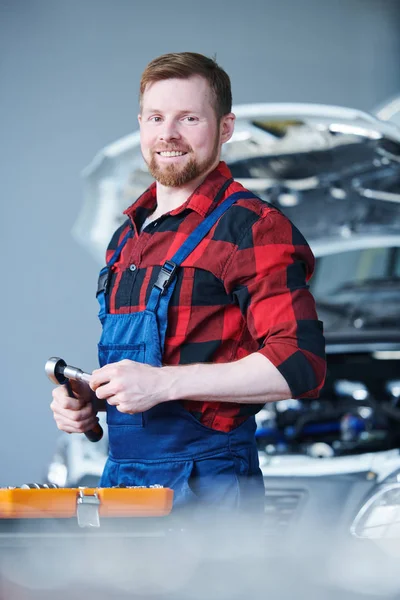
[(139, 118), (227, 127)]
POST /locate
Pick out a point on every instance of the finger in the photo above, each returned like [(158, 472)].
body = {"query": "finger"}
[(65, 391), (113, 400), (122, 406), (122, 409), (108, 372), (101, 376), (73, 415), (74, 419), (106, 391), (80, 389), (62, 399), (73, 427)]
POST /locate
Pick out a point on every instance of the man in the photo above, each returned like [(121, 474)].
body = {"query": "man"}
[(204, 304)]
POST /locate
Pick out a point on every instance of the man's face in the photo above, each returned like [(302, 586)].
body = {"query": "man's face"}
[(179, 131)]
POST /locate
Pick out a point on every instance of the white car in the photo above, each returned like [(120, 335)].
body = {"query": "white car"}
[(331, 465)]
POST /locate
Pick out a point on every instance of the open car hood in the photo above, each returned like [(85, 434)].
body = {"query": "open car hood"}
[(334, 171)]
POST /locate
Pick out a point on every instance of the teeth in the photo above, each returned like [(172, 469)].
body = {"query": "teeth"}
[(171, 153)]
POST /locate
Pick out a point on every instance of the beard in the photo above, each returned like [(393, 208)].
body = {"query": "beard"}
[(175, 176)]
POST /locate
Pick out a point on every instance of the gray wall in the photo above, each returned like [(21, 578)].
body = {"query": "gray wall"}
[(69, 72)]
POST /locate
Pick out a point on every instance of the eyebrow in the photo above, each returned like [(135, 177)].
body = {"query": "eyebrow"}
[(181, 112)]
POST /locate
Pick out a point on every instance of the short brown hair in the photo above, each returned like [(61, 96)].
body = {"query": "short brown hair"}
[(182, 65)]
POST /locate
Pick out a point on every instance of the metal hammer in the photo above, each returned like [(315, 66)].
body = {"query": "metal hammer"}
[(60, 373)]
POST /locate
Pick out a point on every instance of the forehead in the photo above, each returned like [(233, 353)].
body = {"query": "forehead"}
[(193, 93)]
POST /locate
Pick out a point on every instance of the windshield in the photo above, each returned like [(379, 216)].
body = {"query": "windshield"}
[(358, 289), (339, 272)]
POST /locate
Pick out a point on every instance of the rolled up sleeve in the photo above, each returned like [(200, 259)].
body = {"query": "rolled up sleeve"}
[(268, 276)]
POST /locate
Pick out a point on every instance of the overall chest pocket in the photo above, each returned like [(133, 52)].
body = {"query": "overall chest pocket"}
[(111, 353)]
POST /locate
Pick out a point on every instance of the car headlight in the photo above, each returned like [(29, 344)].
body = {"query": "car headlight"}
[(379, 517)]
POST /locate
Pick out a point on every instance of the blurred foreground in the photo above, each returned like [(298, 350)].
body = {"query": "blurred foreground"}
[(174, 557)]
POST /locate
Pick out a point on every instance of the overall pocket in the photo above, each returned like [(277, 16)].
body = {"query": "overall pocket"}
[(114, 353)]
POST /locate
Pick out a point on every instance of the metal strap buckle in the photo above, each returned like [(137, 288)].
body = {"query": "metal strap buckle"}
[(87, 509), (102, 283), (165, 275)]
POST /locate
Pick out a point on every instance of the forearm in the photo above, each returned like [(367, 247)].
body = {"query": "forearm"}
[(251, 380)]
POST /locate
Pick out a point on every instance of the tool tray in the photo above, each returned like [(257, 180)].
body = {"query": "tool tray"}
[(88, 505)]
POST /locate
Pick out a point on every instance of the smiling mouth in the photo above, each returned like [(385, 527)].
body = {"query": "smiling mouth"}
[(171, 153)]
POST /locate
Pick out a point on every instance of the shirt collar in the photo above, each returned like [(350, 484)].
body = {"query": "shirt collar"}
[(200, 200)]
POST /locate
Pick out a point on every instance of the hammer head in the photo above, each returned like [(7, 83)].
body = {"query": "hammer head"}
[(54, 368)]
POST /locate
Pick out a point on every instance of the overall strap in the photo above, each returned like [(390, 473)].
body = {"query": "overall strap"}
[(105, 274), (201, 230), (168, 270)]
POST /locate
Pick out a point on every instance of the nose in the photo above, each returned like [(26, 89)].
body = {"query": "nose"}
[(169, 130)]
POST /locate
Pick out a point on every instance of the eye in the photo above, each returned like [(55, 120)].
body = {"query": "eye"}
[(190, 119), (155, 119)]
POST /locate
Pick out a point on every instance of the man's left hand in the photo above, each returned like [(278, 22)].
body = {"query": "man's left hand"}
[(130, 386)]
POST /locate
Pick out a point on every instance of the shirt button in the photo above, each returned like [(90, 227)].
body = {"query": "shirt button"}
[(132, 267)]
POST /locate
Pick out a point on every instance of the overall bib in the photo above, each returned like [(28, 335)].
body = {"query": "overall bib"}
[(167, 445)]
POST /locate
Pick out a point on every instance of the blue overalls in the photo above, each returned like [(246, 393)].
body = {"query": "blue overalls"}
[(167, 445)]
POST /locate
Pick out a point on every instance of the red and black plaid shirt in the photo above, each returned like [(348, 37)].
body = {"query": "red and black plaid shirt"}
[(242, 290)]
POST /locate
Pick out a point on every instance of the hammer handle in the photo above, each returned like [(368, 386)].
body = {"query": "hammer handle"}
[(95, 434)]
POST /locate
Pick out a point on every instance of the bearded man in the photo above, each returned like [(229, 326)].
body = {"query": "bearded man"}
[(204, 304)]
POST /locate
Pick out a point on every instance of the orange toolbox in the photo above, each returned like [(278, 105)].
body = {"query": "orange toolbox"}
[(85, 541), (87, 505)]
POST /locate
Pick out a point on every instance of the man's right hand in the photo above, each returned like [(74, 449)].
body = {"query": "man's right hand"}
[(74, 415)]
